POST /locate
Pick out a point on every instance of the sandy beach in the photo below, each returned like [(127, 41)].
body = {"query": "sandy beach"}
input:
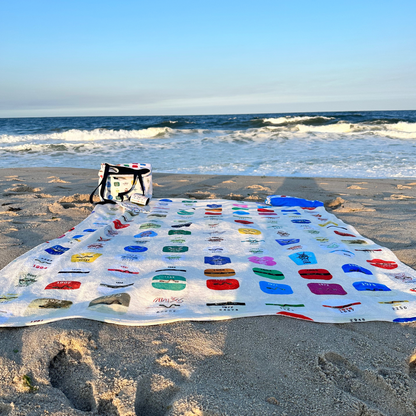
[(250, 366)]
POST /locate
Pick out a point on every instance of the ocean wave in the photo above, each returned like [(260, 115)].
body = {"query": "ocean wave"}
[(273, 132), (90, 135), (297, 119)]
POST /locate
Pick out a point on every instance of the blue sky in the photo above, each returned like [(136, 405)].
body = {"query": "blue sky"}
[(125, 57)]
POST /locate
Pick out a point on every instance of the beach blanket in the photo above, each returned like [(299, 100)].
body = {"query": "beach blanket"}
[(208, 260)]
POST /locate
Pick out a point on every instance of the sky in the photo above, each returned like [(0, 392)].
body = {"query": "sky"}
[(134, 57)]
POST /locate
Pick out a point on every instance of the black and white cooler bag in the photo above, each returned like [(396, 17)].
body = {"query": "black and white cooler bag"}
[(119, 182)]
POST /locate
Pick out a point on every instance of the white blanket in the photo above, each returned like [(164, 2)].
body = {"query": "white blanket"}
[(207, 260)]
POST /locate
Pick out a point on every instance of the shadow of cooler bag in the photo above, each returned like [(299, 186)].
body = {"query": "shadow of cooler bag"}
[(120, 182)]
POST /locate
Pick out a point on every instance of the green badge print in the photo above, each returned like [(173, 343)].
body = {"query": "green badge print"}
[(175, 249), (169, 282)]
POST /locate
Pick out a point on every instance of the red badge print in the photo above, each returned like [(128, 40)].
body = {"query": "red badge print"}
[(295, 315), (64, 285), (244, 222), (118, 225), (318, 274), (264, 210), (383, 264), (344, 234), (213, 213), (223, 284)]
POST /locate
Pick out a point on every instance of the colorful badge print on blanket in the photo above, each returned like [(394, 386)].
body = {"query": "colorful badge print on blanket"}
[(295, 315), (350, 268), (301, 221), (166, 305), (223, 284), (27, 279), (287, 241), (275, 288), (135, 249), (214, 206), (123, 271), (266, 260), (148, 225), (241, 213), (316, 274), (217, 260), (179, 232), (175, 249), (118, 225), (8, 297), (146, 234), (85, 257), (356, 242), (270, 274), (371, 287), (342, 306), (56, 250), (117, 303), (240, 205), (250, 231), (186, 224), (383, 264), (64, 285), (326, 289), (185, 212), (344, 234), (402, 277), (244, 222), (219, 272), (303, 257), (47, 305), (169, 282)]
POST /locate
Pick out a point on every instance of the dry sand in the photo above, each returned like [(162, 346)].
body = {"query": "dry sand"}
[(249, 366)]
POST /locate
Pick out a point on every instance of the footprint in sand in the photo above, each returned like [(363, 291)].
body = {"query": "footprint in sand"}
[(155, 392), (70, 373), (403, 187), (390, 388)]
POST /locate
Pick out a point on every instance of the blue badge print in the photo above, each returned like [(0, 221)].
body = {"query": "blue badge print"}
[(349, 268), (301, 221), (275, 288), (165, 200), (214, 205), (241, 213), (289, 210), (89, 230), (217, 260), (56, 250), (287, 241), (403, 320), (135, 249), (370, 286), (78, 236), (303, 257), (145, 234)]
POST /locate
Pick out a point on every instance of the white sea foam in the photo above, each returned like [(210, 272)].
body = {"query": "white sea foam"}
[(293, 149), (295, 119)]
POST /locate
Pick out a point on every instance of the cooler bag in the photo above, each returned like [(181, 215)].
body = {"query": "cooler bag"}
[(119, 182)]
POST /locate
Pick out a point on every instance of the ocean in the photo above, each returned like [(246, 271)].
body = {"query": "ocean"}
[(359, 144)]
